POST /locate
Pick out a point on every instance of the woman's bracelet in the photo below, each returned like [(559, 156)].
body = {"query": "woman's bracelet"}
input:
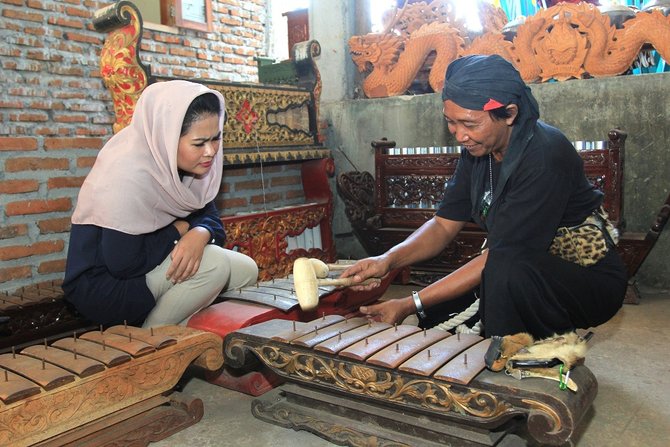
[(418, 304)]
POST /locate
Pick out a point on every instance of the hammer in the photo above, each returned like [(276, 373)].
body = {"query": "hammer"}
[(309, 274)]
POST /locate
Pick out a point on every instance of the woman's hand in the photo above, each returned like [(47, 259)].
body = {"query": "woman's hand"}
[(187, 254), (375, 267), (391, 311)]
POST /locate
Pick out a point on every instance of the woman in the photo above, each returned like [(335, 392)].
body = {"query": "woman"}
[(146, 238), (521, 180)]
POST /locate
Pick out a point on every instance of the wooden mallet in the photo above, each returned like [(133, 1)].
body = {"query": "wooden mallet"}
[(309, 274)]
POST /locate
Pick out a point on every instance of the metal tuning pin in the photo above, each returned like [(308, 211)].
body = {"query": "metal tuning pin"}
[(465, 359), (75, 354), (316, 330), (429, 353), (151, 331), (125, 324), (397, 347), (294, 326)]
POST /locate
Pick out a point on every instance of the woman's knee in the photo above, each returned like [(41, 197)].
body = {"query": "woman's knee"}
[(244, 270), (215, 262)]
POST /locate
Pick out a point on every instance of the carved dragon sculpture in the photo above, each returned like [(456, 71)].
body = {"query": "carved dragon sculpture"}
[(562, 42), (395, 63)]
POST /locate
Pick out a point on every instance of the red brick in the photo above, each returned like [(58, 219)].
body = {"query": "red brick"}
[(249, 184), (85, 162), (76, 12), (12, 231), (58, 225), (18, 144), (72, 143), (36, 164), (238, 202), (38, 248), (30, 117), (68, 23), (31, 17), (234, 172), (25, 207), (283, 181), (70, 118), (13, 273), (56, 266), (267, 198), (65, 182), (299, 193), (266, 169), (18, 186)]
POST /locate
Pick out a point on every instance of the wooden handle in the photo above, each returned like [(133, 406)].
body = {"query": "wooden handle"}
[(345, 282)]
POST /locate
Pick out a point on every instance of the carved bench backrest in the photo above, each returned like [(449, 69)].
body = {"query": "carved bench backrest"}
[(410, 182)]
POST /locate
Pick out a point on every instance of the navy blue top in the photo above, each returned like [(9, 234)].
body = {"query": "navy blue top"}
[(537, 189), (105, 271)]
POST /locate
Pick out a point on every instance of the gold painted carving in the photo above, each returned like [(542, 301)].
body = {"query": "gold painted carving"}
[(121, 69), (381, 384), (263, 237), (262, 117), (562, 42)]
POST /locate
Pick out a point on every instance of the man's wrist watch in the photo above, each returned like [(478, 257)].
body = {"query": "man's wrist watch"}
[(418, 304)]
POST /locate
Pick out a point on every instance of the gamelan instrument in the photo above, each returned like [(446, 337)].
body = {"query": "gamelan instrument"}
[(275, 299), (102, 387), (358, 382)]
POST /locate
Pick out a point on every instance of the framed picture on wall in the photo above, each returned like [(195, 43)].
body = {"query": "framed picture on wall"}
[(193, 14)]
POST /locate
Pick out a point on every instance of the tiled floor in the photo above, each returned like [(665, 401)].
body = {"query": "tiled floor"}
[(628, 355)]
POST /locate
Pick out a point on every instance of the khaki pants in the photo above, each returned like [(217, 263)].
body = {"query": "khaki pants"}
[(219, 269)]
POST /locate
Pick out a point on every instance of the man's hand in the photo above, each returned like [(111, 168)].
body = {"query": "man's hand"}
[(375, 267), (391, 311), (187, 254)]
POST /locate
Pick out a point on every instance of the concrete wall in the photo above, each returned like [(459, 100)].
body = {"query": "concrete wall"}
[(583, 109)]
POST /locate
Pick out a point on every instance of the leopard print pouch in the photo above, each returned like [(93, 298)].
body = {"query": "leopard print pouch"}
[(587, 243)]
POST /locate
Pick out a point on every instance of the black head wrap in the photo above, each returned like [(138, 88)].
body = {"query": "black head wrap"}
[(487, 83)]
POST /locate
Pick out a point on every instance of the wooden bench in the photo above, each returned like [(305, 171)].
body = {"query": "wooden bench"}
[(409, 183)]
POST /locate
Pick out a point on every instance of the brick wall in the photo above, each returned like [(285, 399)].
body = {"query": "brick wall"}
[(55, 115)]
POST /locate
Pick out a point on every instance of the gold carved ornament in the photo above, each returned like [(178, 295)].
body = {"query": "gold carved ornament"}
[(263, 238), (381, 385), (265, 117), (121, 70)]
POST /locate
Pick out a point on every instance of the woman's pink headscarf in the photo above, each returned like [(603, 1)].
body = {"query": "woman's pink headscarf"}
[(134, 186)]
